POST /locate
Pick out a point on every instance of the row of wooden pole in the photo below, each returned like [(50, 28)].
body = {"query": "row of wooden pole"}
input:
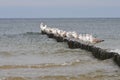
[(97, 52)]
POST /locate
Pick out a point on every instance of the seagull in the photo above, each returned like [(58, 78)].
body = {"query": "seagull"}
[(42, 27)]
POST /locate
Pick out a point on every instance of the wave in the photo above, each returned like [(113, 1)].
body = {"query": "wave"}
[(45, 65), (115, 50), (24, 33), (20, 34), (31, 33), (5, 53), (49, 77)]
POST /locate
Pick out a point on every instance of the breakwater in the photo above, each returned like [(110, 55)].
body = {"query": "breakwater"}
[(74, 43)]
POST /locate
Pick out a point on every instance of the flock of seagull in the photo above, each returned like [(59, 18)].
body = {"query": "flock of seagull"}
[(70, 35)]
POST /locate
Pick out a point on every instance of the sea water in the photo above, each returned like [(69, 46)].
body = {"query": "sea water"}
[(25, 54)]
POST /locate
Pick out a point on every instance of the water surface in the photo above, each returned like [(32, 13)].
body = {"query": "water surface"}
[(25, 54)]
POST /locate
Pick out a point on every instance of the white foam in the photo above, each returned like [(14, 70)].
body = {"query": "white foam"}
[(115, 50)]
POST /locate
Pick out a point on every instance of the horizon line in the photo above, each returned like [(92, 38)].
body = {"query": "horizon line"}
[(52, 17)]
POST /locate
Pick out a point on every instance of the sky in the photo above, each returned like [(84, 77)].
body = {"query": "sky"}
[(59, 8)]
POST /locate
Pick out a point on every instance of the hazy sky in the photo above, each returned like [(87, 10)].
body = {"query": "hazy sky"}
[(59, 8)]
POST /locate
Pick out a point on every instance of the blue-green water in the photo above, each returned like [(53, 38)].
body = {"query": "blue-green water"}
[(27, 54)]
